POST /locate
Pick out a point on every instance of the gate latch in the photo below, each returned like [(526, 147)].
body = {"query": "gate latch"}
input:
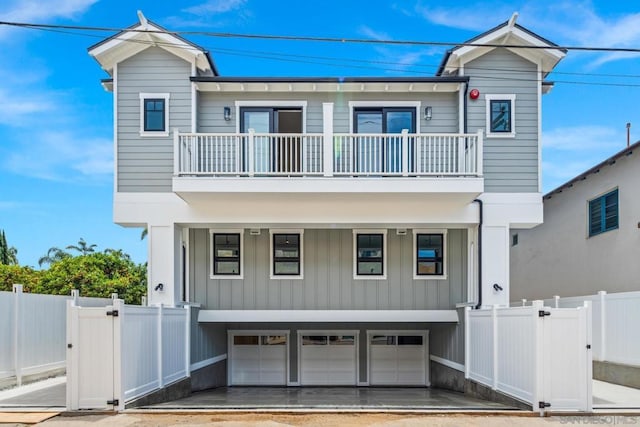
[(113, 313), (542, 405), (542, 313), (114, 402)]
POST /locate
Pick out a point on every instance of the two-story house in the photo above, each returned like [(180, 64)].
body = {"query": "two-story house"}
[(331, 230)]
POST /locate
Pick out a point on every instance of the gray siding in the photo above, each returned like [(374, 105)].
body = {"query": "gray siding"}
[(145, 164), (328, 282), (207, 339), (445, 109), (447, 340), (510, 164)]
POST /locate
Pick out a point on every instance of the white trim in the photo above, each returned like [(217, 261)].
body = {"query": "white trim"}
[(383, 104), (273, 103), (500, 97), (259, 332), (539, 98), (328, 332), (448, 363), (240, 276), (194, 99), (442, 231), (115, 129), (385, 256), (424, 333), (207, 362), (187, 273), (150, 95), (315, 316), (298, 231)]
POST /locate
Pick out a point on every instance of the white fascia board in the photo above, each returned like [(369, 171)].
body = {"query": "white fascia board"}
[(517, 210), (454, 185), (320, 87), (224, 316)]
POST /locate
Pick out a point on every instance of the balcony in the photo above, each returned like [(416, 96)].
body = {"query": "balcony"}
[(327, 162)]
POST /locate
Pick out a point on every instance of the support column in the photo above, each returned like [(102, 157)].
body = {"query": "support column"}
[(495, 265), (163, 285), (327, 136)]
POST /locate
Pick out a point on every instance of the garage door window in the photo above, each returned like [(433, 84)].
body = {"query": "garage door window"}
[(245, 340), (342, 340), (383, 340), (274, 340), (409, 340), (314, 340)]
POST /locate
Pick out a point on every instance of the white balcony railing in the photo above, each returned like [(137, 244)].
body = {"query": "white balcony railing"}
[(273, 154)]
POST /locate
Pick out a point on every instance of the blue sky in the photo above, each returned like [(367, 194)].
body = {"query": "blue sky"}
[(56, 121)]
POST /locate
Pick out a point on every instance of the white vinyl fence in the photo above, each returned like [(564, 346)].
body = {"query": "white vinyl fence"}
[(33, 336), (616, 321), (121, 352), (536, 354)]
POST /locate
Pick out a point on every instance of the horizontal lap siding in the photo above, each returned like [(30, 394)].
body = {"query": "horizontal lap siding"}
[(510, 164), (445, 109), (145, 164), (328, 282)]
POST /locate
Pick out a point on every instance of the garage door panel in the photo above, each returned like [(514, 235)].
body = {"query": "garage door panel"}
[(397, 359), (328, 359), (258, 360)]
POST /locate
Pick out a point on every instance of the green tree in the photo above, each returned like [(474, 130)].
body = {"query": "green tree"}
[(8, 255), (15, 274), (53, 255), (83, 247), (97, 274)]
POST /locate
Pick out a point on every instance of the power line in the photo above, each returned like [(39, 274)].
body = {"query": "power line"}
[(318, 38), (285, 57)]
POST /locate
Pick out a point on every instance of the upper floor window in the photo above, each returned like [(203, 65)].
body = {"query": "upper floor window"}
[(154, 114), (430, 249), (603, 213), (226, 250), (500, 115), (286, 254), (370, 254)]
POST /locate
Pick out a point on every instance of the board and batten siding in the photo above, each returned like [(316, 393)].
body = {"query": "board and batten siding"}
[(445, 109), (510, 164), (145, 164), (328, 282)]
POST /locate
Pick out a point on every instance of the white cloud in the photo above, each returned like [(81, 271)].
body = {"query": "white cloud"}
[(583, 138), (61, 156), (478, 17), (35, 11), (373, 34), (212, 7)]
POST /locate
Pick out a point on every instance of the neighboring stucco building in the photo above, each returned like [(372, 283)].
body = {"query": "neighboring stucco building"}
[(590, 239), (327, 230)]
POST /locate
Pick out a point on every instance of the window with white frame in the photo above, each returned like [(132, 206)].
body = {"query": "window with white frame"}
[(226, 254), (154, 114), (286, 254), (370, 254), (429, 260), (500, 110)]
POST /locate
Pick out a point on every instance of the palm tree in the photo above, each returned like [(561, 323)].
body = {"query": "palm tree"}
[(144, 233), (83, 247), (53, 255)]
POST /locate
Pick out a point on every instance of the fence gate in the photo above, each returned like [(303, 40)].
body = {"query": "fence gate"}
[(90, 357), (566, 359)]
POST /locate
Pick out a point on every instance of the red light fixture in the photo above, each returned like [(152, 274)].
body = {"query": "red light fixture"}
[(474, 94)]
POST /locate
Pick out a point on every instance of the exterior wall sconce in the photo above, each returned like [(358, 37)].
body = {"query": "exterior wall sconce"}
[(227, 113), (428, 113)]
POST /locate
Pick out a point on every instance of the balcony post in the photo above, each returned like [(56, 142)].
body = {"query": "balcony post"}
[(461, 155), (327, 138), (251, 151), (479, 153), (176, 152), (405, 152)]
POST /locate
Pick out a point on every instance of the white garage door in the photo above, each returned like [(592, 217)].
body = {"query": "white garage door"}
[(258, 359), (398, 358), (328, 359)]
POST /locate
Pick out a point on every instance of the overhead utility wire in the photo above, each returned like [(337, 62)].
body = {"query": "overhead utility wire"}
[(274, 56), (320, 39)]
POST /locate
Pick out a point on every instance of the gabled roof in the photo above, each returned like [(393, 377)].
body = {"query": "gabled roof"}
[(143, 35), (608, 162), (511, 35)]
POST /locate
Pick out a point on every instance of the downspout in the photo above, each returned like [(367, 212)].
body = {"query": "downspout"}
[(480, 220), (464, 103)]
